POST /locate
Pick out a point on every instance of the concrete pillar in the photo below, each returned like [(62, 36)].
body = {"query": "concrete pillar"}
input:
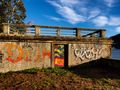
[(78, 33), (37, 30), (58, 32), (5, 28), (102, 33), (52, 57)]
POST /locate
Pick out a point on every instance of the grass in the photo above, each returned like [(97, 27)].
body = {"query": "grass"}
[(56, 70), (29, 71), (85, 77)]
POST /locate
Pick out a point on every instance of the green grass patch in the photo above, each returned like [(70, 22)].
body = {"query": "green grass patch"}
[(29, 71), (56, 70)]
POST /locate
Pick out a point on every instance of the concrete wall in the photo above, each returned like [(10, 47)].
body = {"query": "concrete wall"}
[(23, 55), (81, 53), (18, 52), (20, 55)]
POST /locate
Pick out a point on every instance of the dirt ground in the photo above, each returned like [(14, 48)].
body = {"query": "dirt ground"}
[(91, 77)]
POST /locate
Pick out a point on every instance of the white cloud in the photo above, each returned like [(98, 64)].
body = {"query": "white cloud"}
[(83, 10), (114, 21), (118, 29), (66, 11), (93, 13), (54, 18), (54, 3), (77, 11), (71, 15), (100, 21), (104, 20), (109, 3), (69, 2)]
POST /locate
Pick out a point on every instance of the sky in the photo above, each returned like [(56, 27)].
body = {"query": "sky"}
[(100, 14)]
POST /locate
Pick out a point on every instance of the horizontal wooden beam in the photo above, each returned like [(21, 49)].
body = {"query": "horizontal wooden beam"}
[(100, 32), (58, 29), (90, 34), (55, 27)]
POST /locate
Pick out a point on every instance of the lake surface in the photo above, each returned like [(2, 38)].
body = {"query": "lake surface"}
[(116, 53)]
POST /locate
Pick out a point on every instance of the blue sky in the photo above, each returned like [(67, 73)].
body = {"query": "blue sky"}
[(75, 13)]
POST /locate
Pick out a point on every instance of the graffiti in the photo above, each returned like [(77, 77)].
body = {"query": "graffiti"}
[(37, 55), (59, 55), (87, 53), (27, 45), (15, 53), (59, 61), (1, 56), (82, 52), (11, 48), (45, 54)]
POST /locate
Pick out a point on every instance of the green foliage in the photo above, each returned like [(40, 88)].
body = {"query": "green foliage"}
[(29, 71), (12, 11), (56, 70)]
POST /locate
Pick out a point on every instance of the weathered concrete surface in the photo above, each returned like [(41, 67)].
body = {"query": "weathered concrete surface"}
[(24, 52), (16, 56), (81, 53), (20, 51)]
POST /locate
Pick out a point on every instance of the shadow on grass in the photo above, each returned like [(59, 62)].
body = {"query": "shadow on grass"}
[(97, 69)]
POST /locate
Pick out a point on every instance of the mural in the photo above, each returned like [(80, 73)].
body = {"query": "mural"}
[(15, 53), (59, 55), (80, 53)]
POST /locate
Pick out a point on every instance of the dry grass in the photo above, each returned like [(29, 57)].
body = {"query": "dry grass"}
[(83, 77)]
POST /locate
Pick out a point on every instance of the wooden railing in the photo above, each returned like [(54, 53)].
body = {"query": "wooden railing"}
[(37, 30)]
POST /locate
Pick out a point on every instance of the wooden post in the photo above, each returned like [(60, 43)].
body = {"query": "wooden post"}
[(78, 33), (102, 33), (58, 32), (6, 28), (37, 31)]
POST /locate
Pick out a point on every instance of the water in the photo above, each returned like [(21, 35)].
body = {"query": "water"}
[(116, 53)]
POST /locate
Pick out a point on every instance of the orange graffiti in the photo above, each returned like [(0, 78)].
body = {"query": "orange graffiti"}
[(27, 54), (45, 53), (59, 61), (16, 53), (37, 57), (9, 48)]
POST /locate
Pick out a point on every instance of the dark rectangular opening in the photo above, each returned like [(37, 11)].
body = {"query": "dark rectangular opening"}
[(66, 55), (61, 55)]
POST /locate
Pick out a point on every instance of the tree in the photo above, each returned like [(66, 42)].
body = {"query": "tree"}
[(12, 11)]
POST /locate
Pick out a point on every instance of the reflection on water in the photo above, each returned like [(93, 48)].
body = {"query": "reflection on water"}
[(116, 53)]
